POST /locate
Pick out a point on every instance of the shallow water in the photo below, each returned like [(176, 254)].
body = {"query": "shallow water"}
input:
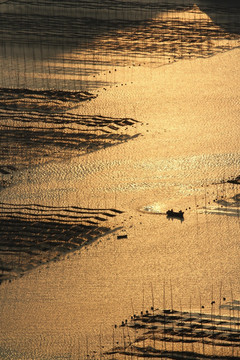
[(188, 128), (73, 47)]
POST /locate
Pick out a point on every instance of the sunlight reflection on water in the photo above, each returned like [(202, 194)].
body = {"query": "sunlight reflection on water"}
[(94, 49), (66, 307), (155, 208)]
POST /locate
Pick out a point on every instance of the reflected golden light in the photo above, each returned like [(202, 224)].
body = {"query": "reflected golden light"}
[(183, 123)]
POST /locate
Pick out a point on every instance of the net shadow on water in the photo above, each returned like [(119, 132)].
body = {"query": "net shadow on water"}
[(33, 234), (173, 334), (66, 54), (64, 50), (41, 101), (221, 199), (36, 126), (227, 207)]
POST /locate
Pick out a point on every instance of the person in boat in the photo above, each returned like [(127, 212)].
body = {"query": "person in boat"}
[(174, 213)]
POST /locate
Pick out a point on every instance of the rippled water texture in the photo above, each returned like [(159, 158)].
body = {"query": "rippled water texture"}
[(78, 46), (112, 113)]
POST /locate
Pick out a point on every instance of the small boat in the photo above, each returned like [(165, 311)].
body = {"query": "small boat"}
[(176, 214)]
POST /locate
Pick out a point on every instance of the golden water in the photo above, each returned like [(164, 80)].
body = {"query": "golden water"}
[(188, 143)]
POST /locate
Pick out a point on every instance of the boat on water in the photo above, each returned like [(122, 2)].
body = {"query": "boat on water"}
[(177, 214)]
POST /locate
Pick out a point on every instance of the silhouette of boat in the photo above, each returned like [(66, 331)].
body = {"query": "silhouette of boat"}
[(171, 213)]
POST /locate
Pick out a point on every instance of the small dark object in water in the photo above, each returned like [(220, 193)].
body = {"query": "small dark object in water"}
[(172, 213), (235, 181), (122, 237)]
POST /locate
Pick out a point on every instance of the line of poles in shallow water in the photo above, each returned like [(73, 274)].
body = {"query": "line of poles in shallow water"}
[(174, 334)]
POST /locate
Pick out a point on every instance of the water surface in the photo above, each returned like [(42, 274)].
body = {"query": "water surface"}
[(175, 132)]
